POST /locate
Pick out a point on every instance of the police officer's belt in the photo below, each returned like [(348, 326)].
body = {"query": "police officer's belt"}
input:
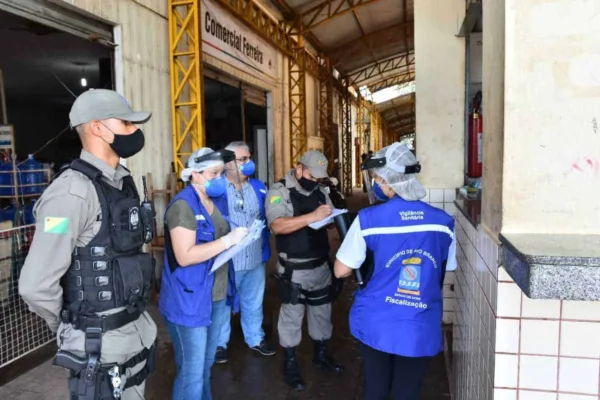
[(104, 322), (292, 293), (311, 264)]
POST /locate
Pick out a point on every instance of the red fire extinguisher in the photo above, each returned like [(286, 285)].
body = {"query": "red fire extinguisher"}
[(475, 166)]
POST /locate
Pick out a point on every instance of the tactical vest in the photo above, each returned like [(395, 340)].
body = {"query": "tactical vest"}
[(306, 242), (400, 310), (111, 271)]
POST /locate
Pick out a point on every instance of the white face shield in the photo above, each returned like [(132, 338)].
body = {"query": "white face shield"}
[(398, 167), (205, 158)]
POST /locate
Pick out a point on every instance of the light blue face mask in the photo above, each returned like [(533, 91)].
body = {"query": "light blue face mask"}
[(215, 187), (378, 192), (248, 168)]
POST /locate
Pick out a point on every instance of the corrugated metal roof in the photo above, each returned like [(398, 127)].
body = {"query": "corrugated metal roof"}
[(365, 39)]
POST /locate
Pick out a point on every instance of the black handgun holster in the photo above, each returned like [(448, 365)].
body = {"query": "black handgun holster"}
[(86, 383)]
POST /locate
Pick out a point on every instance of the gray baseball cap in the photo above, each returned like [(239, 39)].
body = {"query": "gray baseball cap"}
[(101, 104), (316, 162)]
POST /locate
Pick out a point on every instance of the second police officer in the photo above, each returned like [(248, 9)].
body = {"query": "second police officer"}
[(305, 276)]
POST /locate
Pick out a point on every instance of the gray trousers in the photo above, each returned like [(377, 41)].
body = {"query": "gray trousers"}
[(319, 317)]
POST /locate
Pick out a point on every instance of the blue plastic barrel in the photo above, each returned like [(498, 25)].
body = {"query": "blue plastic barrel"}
[(28, 215), (31, 176), (6, 179), (7, 213)]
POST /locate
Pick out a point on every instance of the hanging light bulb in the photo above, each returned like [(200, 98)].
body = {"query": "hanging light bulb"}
[(83, 82)]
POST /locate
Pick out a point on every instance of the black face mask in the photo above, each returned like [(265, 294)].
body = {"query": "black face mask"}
[(128, 145), (307, 184)]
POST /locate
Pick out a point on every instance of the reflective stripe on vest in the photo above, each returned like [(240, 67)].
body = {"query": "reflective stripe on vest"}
[(400, 310)]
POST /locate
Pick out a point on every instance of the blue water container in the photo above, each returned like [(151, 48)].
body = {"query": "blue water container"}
[(7, 214), (6, 179), (28, 214), (31, 176)]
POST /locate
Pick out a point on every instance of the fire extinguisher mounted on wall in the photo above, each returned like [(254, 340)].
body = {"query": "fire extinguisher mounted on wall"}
[(475, 165)]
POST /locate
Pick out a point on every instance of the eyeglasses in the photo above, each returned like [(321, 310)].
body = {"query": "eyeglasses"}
[(243, 160)]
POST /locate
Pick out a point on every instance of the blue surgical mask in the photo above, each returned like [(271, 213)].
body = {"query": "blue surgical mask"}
[(248, 168), (378, 192), (215, 187)]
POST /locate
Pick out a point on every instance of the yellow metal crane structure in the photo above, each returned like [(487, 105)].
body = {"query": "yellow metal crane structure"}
[(185, 39), (185, 44)]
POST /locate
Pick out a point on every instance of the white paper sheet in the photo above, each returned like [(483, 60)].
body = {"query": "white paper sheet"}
[(319, 224), (255, 232)]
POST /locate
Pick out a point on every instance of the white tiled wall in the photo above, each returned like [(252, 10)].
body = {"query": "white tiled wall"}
[(553, 347), (475, 363), (444, 199)]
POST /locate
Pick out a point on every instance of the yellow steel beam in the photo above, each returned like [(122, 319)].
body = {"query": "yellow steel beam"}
[(325, 12), (326, 112), (185, 43), (297, 104), (345, 104), (390, 81), (404, 61), (361, 133), (374, 132)]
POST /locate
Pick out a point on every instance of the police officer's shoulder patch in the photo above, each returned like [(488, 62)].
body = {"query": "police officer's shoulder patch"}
[(79, 184), (275, 200), (56, 225)]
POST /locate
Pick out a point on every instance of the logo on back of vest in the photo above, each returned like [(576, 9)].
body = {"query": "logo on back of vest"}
[(134, 217), (410, 276), (411, 215)]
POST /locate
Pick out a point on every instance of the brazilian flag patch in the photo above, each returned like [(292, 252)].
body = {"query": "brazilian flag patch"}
[(56, 225), (275, 200)]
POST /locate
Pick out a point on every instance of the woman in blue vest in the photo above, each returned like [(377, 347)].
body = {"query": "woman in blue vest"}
[(397, 316), (193, 301)]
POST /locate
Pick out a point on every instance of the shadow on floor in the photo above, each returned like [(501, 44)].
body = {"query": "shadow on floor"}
[(250, 376)]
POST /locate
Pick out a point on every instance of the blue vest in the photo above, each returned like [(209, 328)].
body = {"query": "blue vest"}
[(261, 194), (186, 292), (400, 310)]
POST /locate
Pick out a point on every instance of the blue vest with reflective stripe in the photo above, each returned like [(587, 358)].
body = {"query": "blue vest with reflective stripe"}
[(186, 293), (400, 309)]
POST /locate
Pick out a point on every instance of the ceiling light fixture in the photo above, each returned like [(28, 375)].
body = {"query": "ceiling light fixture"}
[(83, 82)]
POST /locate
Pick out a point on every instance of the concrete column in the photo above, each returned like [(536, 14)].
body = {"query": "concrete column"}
[(493, 114), (551, 181), (440, 88)]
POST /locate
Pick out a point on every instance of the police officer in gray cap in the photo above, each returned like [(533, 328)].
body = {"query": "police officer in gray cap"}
[(86, 274), (304, 267)]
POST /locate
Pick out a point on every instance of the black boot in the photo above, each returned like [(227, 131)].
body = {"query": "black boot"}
[(290, 370), (323, 360)]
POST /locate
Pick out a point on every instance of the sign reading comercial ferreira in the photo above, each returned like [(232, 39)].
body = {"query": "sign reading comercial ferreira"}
[(229, 40)]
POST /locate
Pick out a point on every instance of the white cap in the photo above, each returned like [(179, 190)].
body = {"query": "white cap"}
[(397, 157), (192, 165)]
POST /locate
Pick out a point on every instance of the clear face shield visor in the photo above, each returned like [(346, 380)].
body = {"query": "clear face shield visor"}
[(368, 174), (225, 156)]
